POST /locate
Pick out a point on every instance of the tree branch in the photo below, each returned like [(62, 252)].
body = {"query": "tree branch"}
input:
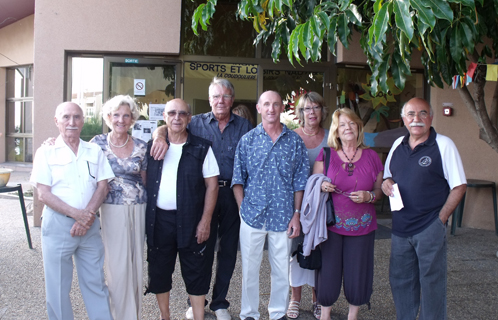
[(477, 107), (469, 102), (493, 113)]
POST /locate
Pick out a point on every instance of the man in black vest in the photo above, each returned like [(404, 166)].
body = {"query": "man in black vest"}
[(181, 196)]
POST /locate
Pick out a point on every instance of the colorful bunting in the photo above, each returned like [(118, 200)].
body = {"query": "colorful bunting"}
[(492, 72)]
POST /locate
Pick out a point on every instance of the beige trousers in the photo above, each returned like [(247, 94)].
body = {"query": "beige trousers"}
[(123, 235)]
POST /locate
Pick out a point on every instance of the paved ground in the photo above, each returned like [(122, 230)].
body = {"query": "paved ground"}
[(472, 277)]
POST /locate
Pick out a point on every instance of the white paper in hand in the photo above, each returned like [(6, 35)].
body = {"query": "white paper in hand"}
[(396, 201)]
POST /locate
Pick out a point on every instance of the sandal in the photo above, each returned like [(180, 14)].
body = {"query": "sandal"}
[(317, 310), (293, 309)]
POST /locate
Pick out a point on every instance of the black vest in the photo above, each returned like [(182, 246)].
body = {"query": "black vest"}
[(191, 190)]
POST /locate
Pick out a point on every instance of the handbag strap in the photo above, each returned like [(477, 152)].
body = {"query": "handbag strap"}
[(326, 152)]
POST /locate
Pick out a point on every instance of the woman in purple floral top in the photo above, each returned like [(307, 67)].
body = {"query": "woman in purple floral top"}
[(348, 253), (123, 211)]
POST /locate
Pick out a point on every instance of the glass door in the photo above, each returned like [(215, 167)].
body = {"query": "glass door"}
[(152, 82)]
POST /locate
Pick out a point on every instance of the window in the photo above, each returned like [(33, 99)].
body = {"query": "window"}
[(226, 36), (19, 142), (86, 91)]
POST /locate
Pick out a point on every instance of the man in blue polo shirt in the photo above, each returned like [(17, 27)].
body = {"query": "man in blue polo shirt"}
[(269, 176), (428, 170)]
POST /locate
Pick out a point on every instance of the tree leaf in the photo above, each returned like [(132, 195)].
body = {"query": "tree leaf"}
[(343, 30), (343, 4), (305, 34), (353, 15), (383, 74), (441, 9), (316, 50), (398, 76), (331, 35), (456, 48), (317, 26), (403, 18), (424, 14), (467, 3), (467, 37), (380, 22), (196, 18), (324, 18)]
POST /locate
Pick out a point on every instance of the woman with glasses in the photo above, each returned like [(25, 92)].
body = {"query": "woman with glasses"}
[(356, 177), (311, 113), (123, 211)]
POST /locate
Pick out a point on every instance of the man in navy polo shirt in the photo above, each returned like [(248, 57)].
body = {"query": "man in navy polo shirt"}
[(428, 170)]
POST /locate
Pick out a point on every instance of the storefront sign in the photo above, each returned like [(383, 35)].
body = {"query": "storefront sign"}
[(131, 60), (208, 70)]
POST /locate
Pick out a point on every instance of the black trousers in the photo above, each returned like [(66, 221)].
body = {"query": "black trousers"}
[(225, 226)]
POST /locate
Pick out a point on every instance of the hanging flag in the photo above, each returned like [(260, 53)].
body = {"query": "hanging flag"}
[(468, 79), (492, 72), (455, 82), (471, 70)]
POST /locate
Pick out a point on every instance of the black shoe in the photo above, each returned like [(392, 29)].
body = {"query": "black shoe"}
[(249, 318)]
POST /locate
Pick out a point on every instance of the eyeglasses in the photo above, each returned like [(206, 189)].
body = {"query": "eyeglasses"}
[(411, 115), (308, 110), (344, 193), (225, 97), (181, 114)]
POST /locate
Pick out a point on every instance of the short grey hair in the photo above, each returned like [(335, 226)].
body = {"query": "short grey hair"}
[(224, 83), (60, 108), (311, 97), (114, 103)]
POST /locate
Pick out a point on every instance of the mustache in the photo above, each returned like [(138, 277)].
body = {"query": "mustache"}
[(417, 124)]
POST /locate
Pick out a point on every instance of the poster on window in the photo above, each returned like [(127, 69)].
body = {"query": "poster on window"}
[(156, 111), (142, 129)]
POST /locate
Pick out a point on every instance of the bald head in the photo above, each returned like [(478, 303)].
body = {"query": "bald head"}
[(178, 102), (59, 111)]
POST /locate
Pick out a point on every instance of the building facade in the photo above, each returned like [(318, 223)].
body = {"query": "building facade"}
[(90, 51)]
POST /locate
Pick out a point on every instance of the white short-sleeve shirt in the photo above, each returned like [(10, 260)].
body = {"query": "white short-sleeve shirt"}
[(166, 198), (72, 178)]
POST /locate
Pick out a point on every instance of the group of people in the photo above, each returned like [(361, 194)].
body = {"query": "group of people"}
[(208, 182)]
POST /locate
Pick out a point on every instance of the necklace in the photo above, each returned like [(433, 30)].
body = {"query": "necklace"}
[(350, 164), (310, 134), (115, 146)]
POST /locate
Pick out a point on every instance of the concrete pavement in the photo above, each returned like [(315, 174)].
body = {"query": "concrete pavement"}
[(472, 277)]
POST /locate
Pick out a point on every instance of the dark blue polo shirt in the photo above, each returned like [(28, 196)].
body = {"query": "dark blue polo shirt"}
[(223, 144), (425, 177)]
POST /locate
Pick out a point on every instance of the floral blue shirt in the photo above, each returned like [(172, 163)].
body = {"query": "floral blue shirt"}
[(270, 173)]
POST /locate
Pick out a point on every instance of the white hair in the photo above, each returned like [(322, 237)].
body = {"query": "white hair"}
[(60, 109)]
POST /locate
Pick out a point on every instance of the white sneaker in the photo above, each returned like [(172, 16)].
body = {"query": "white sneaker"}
[(189, 314), (223, 314)]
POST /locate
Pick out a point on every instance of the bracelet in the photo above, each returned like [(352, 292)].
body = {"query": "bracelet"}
[(372, 197), (298, 211)]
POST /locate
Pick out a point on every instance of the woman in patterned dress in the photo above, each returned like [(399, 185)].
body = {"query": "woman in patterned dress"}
[(123, 211)]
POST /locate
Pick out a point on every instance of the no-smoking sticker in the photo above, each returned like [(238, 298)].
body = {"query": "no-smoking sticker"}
[(139, 88)]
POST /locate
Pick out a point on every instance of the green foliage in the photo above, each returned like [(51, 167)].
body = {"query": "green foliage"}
[(447, 32), (91, 128)]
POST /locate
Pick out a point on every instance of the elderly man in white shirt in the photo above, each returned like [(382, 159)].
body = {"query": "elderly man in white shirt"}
[(71, 180)]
